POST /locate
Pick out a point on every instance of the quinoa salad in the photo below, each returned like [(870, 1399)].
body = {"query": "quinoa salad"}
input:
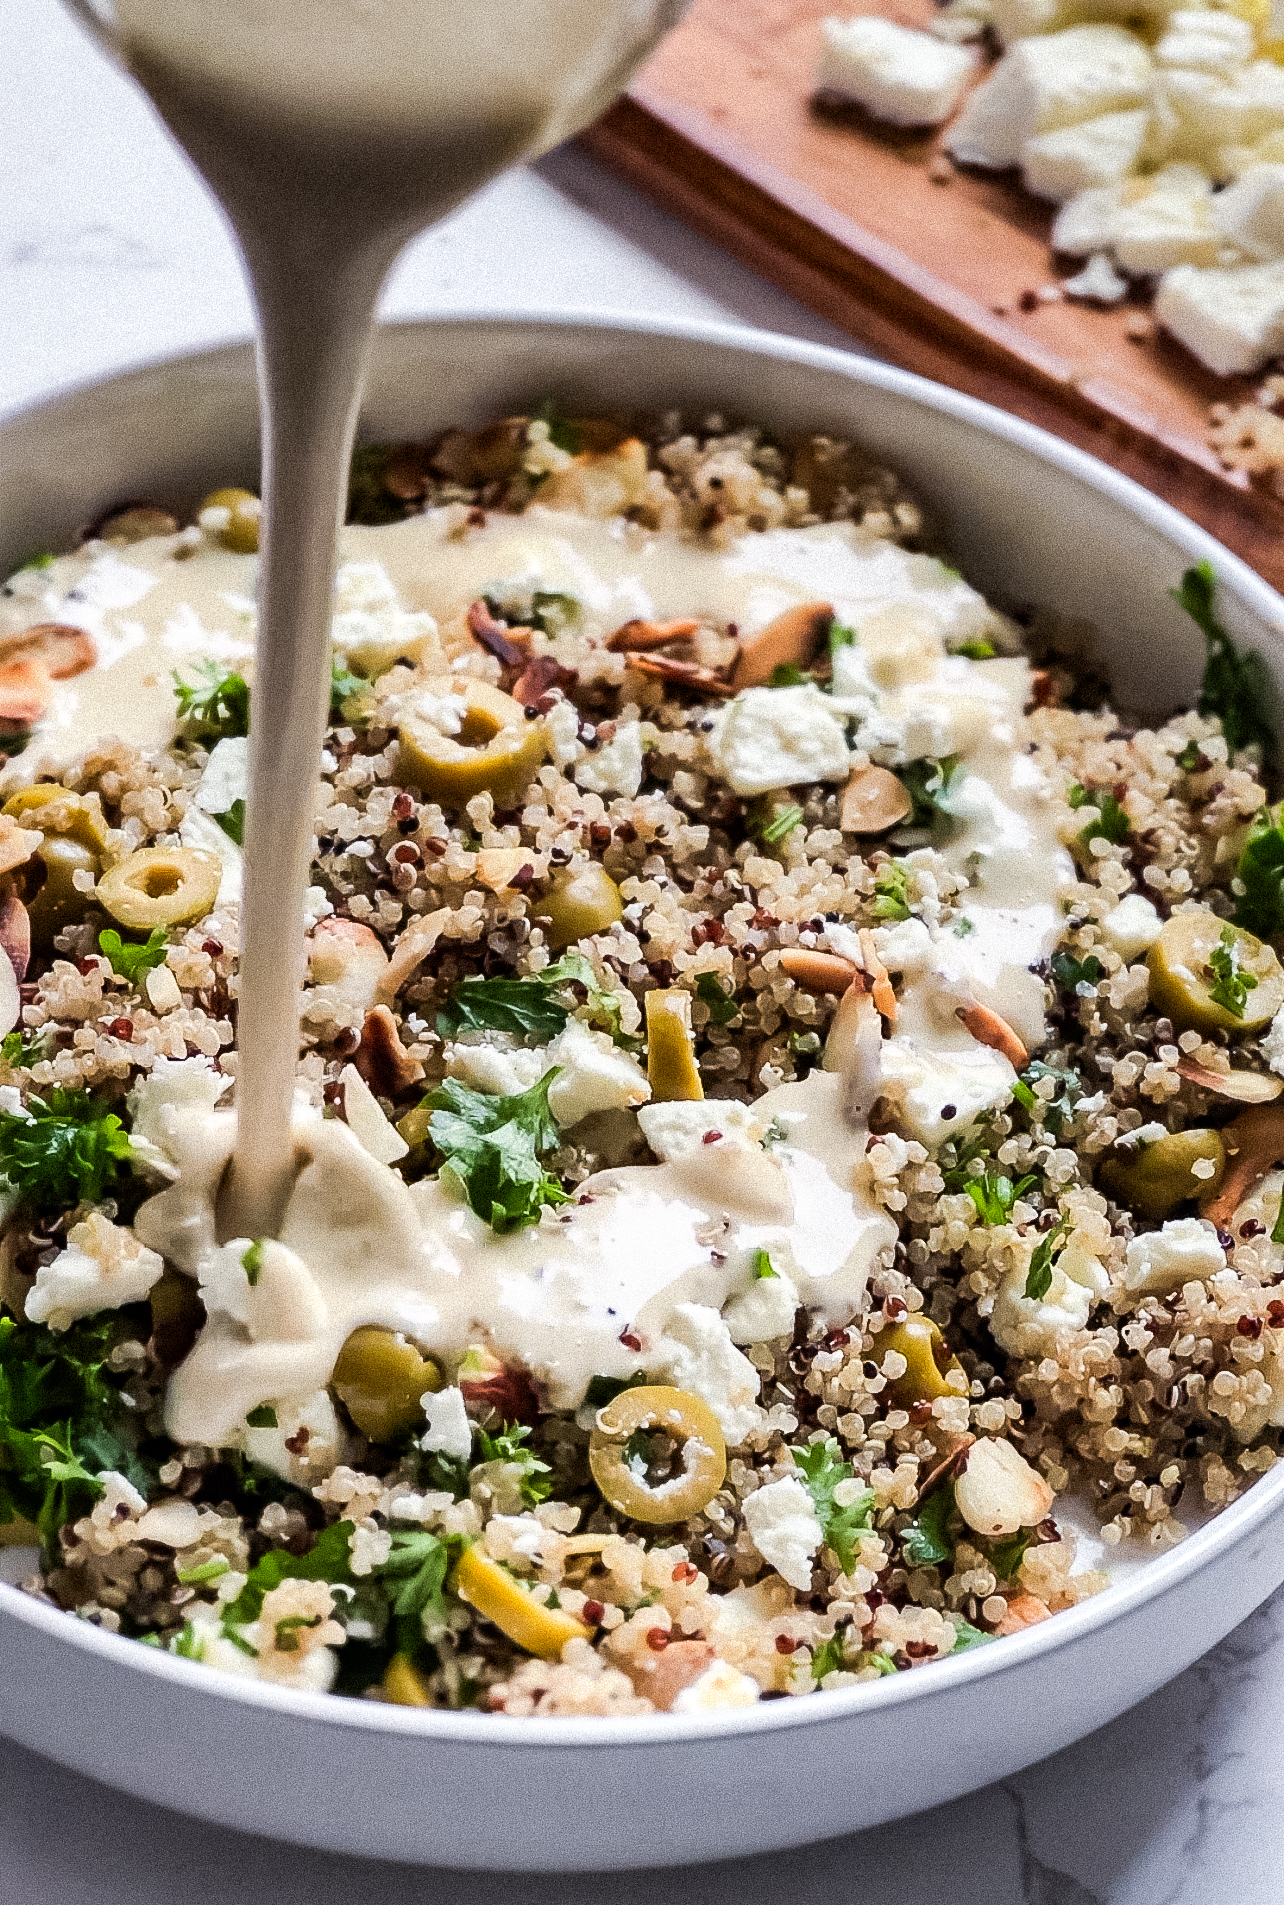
[(789, 1113)]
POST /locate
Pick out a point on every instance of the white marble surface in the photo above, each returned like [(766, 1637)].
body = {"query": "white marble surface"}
[(111, 254)]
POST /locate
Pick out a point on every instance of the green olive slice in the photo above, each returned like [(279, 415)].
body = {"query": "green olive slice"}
[(620, 1472), (1187, 987), (497, 750), (240, 533), (160, 886)]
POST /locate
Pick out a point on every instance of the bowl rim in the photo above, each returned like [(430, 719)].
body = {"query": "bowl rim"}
[(1153, 1578)]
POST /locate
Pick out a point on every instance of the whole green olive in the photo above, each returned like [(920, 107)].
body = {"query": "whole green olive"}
[(59, 902), (928, 1357), (1162, 1174), (380, 1378), (579, 902)]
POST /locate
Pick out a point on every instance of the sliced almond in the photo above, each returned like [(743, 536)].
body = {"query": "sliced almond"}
[(1254, 1144), (17, 843), (411, 950), (987, 1028), (641, 635), (883, 994), (381, 1058), (498, 867), (684, 674), (497, 637), (15, 935), (1023, 1611), (64, 649), (538, 677), (1244, 1088), (793, 638), (25, 693), (873, 801), (817, 971), (135, 522)]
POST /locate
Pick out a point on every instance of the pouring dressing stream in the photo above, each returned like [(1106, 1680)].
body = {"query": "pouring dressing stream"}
[(330, 140)]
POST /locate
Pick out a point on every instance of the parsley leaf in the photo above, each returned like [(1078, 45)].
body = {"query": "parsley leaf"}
[(1231, 986), (62, 1421), (965, 1636), (891, 891), (787, 674), (1006, 1556), (1261, 873), (830, 1656), (418, 1565), (1039, 1279), (976, 651), (604, 1389), (1277, 1234), (995, 1195), (1190, 757), (130, 961), (1235, 686), (928, 785), (606, 1005), (786, 819), (68, 1151), (252, 1261), (823, 1469), (1051, 1112), (328, 1559), (563, 434), (926, 1542), (554, 611), (1112, 822), (763, 1268), (345, 687), (1071, 973), (492, 1147), (841, 635), (17, 1050), (507, 1447), (233, 822), (216, 706), (525, 1007), (264, 1417), (722, 1005)]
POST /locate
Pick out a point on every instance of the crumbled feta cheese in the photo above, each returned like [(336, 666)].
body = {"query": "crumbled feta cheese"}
[(696, 1353), (1073, 159), (368, 1548), (676, 1130), (1042, 84), (1186, 1250), (172, 1086), (366, 1120), (1029, 1326), (370, 629), (895, 73), (562, 726), (782, 1521), (720, 1686), (502, 1074), (227, 776), (1097, 283), (312, 1426), (940, 1092), (1231, 320), (449, 1431), (1250, 213), (595, 1075), (1273, 1042), (103, 1267), (1202, 40), (907, 947), (1132, 927), (201, 833), (1086, 223), (174, 1524), (762, 1312), (615, 768), (775, 737), (1168, 223)]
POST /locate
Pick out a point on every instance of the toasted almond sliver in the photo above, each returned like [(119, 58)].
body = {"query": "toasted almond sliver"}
[(817, 971), (684, 674), (883, 994), (15, 935), (987, 1028), (25, 693), (873, 801), (64, 649), (641, 635), (1245, 1088), (1254, 1142), (792, 639)]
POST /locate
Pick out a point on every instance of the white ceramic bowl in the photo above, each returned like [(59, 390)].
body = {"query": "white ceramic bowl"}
[(1030, 520)]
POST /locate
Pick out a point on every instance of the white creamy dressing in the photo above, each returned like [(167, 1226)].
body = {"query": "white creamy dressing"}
[(653, 1253), (641, 1245)]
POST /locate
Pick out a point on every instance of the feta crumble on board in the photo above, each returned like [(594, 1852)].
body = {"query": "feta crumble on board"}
[(897, 74)]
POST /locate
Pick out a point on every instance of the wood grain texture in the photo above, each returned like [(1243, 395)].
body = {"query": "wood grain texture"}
[(844, 215)]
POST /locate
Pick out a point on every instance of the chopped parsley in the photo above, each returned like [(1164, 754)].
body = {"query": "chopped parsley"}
[(1261, 874), (345, 687), (830, 1656), (926, 1542), (1071, 973), (763, 1267), (328, 1559), (1236, 687), (130, 961), (781, 825), (1277, 1234), (17, 1050), (415, 1572), (69, 1150), (491, 1148), (891, 891), (1112, 822), (553, 611), (928, 785), (1231, 985), (978, 650), (995, 1195), (787, 674), (215, 706), (563, 434), (1006, 1556), (62, 1422), (722, 1005), (233, 822), (965, 1635), (252, 1261), (1039, 1279), (1190, 757), (1051, 1112), (823, 1469), (264, 1417), (841, 635), (529, 1007), (604, 1389), (507, 1447)]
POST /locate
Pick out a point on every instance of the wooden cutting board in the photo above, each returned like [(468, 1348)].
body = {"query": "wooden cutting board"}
[(845, 215)]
